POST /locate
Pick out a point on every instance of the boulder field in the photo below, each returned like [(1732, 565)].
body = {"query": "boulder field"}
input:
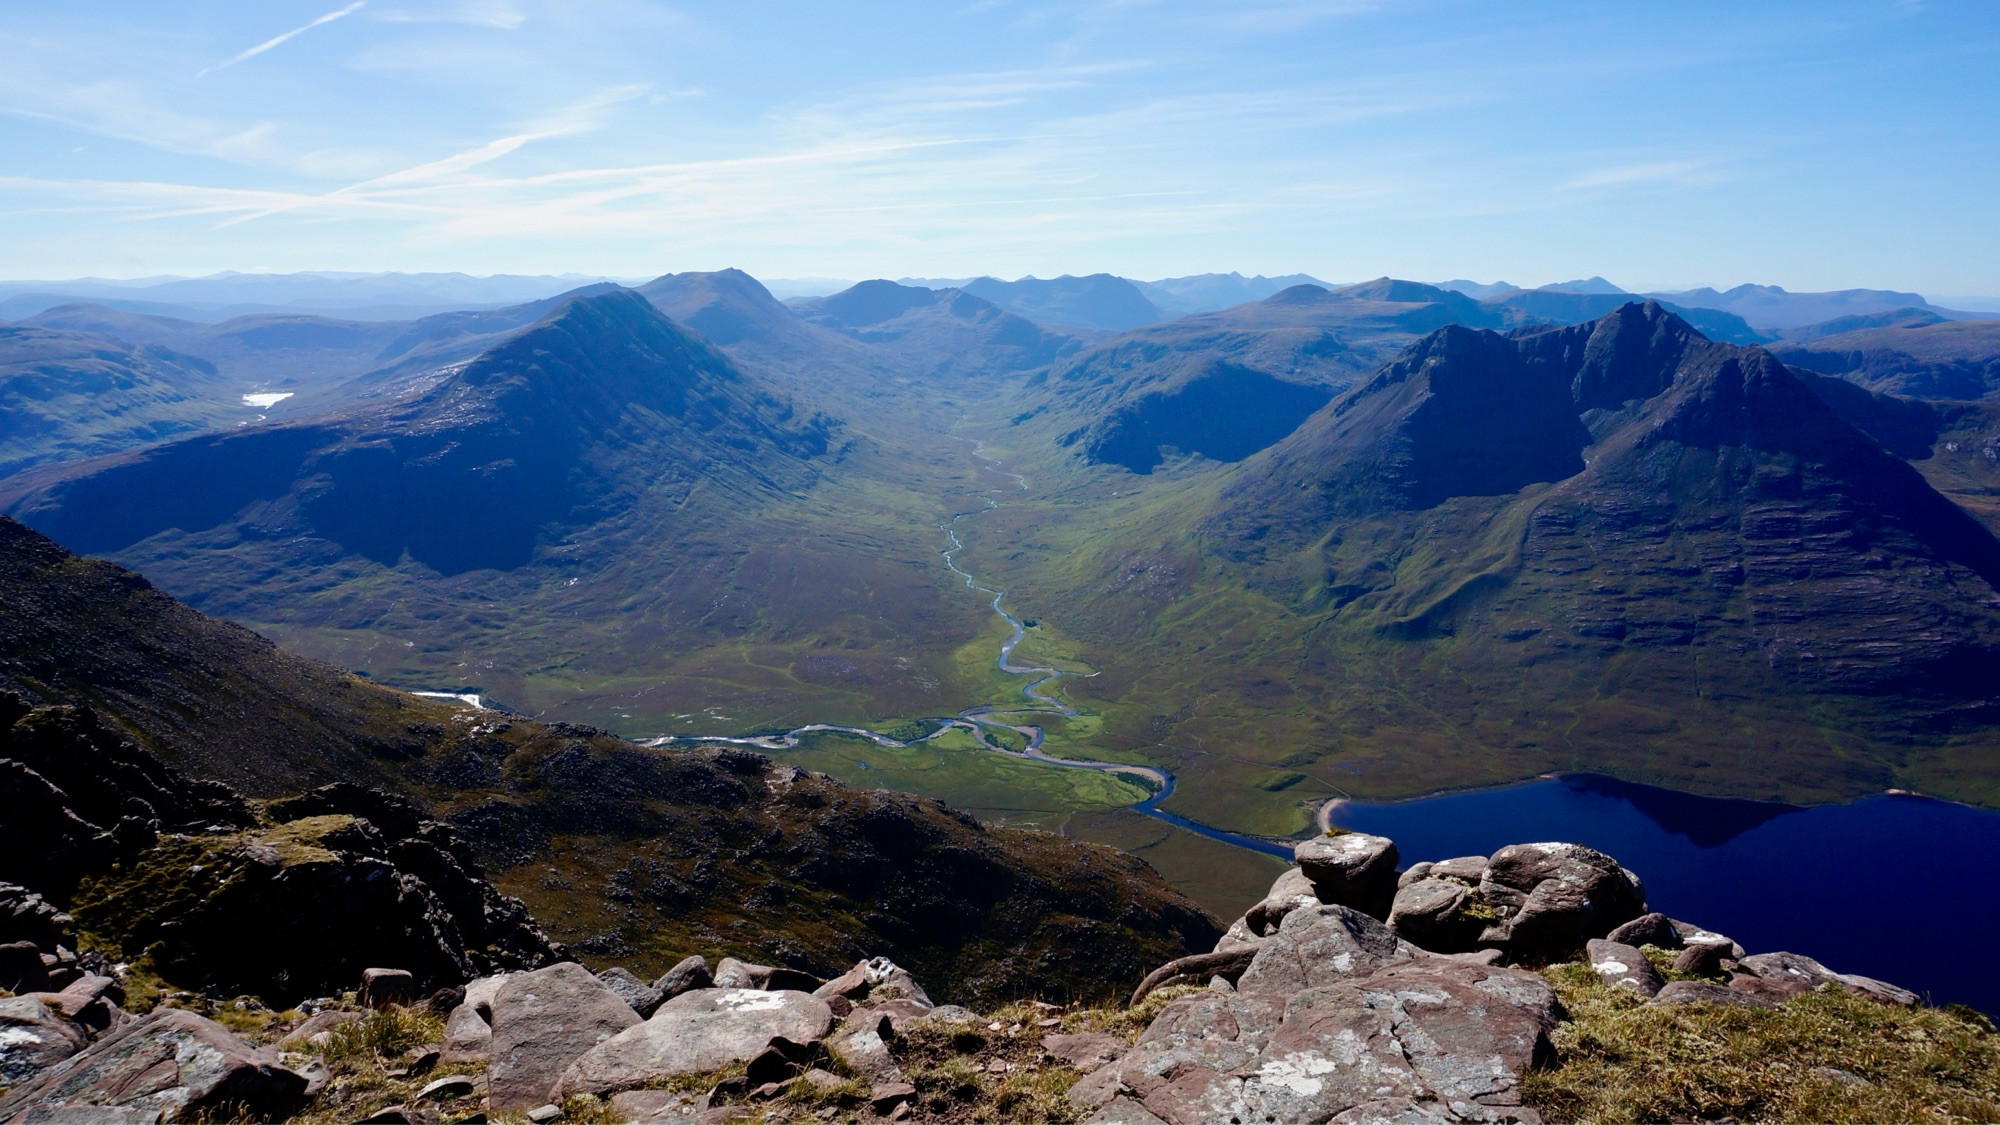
[(1353, 992)]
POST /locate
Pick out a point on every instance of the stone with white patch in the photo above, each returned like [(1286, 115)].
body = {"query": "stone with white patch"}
[(1623, 966), (695, 1032)]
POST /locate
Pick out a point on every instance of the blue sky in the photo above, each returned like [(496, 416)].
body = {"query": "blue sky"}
[(1812, 145)]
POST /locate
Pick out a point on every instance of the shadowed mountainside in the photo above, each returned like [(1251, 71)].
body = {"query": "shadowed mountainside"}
[(624, 851)]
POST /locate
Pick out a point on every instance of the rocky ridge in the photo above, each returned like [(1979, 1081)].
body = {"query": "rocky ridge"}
[(1344, 996)]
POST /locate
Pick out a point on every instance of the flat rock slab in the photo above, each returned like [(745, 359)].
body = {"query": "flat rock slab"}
[(171, 1063), (319, 1023), (695, 1032), (542, 1022), (1796, 969)]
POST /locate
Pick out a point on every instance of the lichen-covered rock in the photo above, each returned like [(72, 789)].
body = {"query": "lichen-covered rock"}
[(542, 1022), (731, 973), (1291, 891), (1086, 1051), (172, 1063), (467, 1036), (1321, 945), (1425, 1030), (1653, 929), (696, 1032), (874, 979), (32, 1038), (1583, 894)]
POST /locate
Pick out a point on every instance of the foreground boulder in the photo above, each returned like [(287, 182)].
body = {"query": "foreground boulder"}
[(542, 1022), (699, 1031), (1425, 1037), (173, 1064), (1353, 869)]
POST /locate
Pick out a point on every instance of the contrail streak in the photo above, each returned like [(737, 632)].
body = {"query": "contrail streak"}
[(277, 39)]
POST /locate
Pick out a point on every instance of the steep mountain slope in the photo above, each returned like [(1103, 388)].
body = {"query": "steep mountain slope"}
[(65, 395), (306, 354), (1615, 546), (1714, 476), (947, 333), (603, 515), (625, 852), (1099, 301), (1935, 360), (470, 472)]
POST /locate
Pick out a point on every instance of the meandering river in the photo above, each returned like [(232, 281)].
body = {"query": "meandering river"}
[(985, 718)]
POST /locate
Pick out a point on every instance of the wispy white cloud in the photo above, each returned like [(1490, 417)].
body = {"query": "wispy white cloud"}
[(1669, 172), (498, 14), (275, 40)]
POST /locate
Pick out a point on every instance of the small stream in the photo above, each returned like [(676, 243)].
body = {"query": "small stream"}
[(981, 720)]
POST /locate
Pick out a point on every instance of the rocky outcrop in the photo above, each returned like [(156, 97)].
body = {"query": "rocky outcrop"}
[(296, 910), (1339, 1017)]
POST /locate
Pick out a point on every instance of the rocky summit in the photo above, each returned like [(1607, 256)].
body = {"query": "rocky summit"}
[(1463, 989)]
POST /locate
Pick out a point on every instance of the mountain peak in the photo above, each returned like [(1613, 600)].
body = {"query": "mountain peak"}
[(1404, 292)]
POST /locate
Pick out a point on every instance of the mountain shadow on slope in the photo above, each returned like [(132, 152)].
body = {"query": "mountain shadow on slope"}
[(562, 424), (1225, 412)]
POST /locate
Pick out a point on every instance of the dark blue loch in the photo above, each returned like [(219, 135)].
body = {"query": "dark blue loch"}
[(1892, 886)]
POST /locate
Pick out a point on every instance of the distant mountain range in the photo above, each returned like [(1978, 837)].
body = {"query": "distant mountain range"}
[(355, 296), (1376, 539)]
